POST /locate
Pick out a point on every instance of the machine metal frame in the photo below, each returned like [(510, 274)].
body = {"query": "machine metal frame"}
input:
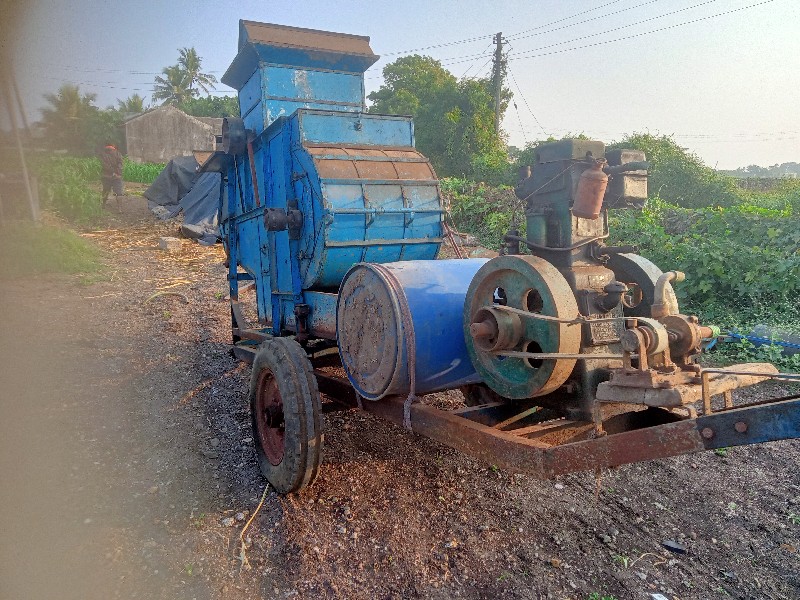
[(501, 433)]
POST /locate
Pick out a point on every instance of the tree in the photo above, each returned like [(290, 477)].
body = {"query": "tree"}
[(454, 120), (69, 118), (174, 87), (131, 105), (680, 176), (191, 63), (223, 106)]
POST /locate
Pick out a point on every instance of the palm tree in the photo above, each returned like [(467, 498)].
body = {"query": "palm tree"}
[(175, 87), (190, 62), (131, 105), (69, 117)]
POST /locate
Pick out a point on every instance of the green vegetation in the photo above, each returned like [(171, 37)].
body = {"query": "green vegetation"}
[(73, 122), (621, 559), (210, 106), (27, 250), (69, 184), (599, 596), (679, 176), (183, 80), (140, 172), (132, 105), (741, 261), (777, 170), (483, 211), (65, 185), (453, 119)]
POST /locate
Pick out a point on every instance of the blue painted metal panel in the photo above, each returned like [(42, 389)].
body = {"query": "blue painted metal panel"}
[(285, 108), (322, 319), (763, 423), (354, 130), (362, 216), (290, 56), (373, 336), (296, 47), (254, 120), (307, 85), (250, 94)]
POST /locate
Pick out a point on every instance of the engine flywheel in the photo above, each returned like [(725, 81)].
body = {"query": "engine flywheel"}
[(529, 284)]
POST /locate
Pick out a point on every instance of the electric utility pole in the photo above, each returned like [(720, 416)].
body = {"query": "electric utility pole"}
[(497, 77)]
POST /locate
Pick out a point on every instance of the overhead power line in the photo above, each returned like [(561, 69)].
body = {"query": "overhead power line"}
[(629, 25), (519, 36), (460, 59), (484, 37), (525, 100), (568, 18), (527, 54), (442, 45), (489, 45)]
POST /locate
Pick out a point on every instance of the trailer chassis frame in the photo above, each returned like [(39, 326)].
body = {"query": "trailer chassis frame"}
[(625, 433)]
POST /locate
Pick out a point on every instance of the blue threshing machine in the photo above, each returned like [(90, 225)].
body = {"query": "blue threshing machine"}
[(571, 354)]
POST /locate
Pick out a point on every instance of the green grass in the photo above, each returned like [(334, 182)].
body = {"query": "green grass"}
[(599, 596), (29, 250)]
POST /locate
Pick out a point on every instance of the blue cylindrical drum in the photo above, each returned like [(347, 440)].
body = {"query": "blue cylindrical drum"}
[(383, 307)]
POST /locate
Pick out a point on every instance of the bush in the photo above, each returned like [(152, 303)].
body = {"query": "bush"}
[(742, 263), (483, 211), (679, 176)]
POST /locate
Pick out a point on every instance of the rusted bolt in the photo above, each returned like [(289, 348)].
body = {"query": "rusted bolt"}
[(740, 426), (707, 433)]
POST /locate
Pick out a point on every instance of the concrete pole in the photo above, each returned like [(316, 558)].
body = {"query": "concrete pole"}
[(498, 79)]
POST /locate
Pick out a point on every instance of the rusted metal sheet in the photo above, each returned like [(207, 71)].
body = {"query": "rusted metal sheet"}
[(286, 36)]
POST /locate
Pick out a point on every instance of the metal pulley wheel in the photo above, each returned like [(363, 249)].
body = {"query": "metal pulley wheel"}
[(529, 284)]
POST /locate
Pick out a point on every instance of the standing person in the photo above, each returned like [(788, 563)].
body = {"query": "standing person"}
[(111, 161)]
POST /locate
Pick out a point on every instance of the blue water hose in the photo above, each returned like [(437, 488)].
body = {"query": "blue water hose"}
[(758, 341)]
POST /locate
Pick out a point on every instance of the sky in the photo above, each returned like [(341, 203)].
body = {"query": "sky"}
[(726, 86)]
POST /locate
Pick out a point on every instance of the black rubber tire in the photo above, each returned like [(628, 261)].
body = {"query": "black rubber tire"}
[(284, 361)]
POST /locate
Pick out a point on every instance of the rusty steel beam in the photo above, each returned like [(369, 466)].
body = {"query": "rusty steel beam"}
[(774, 421)]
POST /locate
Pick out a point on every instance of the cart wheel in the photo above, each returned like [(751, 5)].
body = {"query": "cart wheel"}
[(287, 422)]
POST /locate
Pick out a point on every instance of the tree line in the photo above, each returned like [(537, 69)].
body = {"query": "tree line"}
[(73, 122), (453, 124)]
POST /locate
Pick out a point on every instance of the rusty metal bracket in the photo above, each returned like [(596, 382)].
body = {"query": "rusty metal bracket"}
[(706, 391)]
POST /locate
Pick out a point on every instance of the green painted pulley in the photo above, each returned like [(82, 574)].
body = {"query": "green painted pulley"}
[(524, 284)]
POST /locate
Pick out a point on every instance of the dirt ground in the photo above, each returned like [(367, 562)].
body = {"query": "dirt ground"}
[(128, 471)]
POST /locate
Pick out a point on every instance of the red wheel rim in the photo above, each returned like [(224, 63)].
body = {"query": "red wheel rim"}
[(269, 418)]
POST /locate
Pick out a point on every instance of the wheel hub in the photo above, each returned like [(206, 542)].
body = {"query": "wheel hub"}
[(270, 420)]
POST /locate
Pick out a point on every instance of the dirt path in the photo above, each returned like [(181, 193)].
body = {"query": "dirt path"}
[(125, 445)]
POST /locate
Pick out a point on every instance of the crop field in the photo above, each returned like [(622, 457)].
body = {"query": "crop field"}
[(70, 184)]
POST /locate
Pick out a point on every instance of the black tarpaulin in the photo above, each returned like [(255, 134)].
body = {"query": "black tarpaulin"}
[(179, 188)]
